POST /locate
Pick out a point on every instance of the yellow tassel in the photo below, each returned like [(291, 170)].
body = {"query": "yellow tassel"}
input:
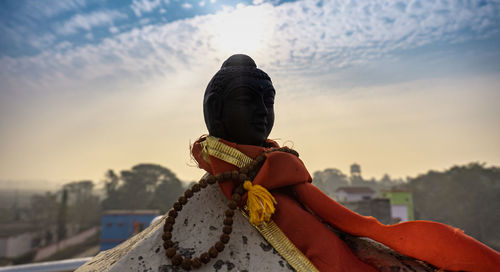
[(260, 203)]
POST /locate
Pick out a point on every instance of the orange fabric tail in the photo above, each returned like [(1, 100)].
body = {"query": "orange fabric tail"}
[(438, 244)]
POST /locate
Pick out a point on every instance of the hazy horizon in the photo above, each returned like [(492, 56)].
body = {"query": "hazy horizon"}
[(397, 87)]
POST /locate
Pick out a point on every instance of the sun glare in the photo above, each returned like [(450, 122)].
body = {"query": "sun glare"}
[(244, 29)]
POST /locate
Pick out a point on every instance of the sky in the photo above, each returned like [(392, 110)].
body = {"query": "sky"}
[(399, 87)]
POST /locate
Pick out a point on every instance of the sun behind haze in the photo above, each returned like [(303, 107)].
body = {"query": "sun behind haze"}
[(399, 87)]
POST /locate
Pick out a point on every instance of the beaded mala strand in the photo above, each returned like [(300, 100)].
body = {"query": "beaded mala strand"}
[(245, 173)]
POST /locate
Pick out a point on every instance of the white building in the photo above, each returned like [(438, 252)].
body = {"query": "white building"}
[(351, 194)]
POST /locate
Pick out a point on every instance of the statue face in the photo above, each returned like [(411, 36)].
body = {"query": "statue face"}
[(248, 115)]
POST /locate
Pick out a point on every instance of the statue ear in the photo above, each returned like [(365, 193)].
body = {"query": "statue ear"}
[(214, 105)]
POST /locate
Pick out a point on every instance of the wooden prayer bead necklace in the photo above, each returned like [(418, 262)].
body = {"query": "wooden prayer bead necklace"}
[(246, 173)]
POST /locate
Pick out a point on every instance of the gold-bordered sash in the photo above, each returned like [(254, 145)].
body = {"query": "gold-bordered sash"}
[(211, 146), (278, 240)]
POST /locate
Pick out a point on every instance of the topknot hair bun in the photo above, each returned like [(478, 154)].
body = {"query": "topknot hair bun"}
[(239, 60)]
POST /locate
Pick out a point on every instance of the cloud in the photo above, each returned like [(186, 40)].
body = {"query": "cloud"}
[(144, 6), (50, 8), (187, 6), (43, 41), (306, 37), (113, 30), (89, 21)]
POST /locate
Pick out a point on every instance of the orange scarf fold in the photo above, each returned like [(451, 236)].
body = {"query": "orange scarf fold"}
[(300, 204)]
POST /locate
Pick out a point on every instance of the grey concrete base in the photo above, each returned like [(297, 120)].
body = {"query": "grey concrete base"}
[(199, 226)]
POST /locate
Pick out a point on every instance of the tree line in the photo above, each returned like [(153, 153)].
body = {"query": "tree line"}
[(466, 197), (77, 205)]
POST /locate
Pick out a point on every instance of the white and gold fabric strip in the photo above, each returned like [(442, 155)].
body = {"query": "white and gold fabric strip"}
[(211, 146), (270, 231), (274, 236)]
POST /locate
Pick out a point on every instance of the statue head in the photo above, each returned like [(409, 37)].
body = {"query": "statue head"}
[(238, 105)]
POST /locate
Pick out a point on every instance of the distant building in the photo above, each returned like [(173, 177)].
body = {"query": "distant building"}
[(351, 194), (379, 208), (401, 205), (119, 225), (17, 239)]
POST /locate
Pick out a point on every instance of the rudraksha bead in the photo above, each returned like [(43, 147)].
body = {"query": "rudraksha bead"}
[(196, 262), (172, 213), (195, 188), (170, 252), (167, 235), (226, 175), (177, 206), (227, 229), (224, 238), (219, 177), (188, 193), (205, 258), (229, 213), (213, 252), (244, 170), (243, 177), (170, 220), (186, 264), (177, 259), (236, 198), (168, 243), (232, 205), (219, 246), (239, 190), (167, 227), (211, 179), (203, 184), (182, 200), (228, 221), (234, 174)]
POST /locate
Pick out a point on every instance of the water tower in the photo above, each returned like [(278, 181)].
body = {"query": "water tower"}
[(355, 172)]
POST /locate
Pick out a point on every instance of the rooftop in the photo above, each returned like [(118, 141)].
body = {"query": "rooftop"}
[(356, 190)]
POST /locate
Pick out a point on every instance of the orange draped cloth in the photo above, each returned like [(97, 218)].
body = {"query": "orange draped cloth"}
[(303, 210)]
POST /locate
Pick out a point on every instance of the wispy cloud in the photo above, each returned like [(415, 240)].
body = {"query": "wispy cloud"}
[(50, 8), (304, 37), (43, 41), (89, 21), (144, 6), (187, 6), (113, 29)]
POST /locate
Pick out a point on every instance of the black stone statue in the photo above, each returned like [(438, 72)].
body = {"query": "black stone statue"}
[(239, 102)]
